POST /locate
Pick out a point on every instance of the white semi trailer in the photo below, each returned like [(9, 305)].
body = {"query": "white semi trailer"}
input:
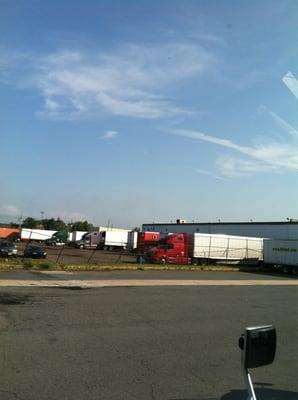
[(39, 235), (282, 254), (113, 240), (75, 236), (198, 248), (226, 247)]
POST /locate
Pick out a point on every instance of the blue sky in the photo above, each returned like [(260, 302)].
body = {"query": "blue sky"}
[(141, 111)]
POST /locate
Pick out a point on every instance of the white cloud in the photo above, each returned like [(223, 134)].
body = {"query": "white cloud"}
[(235, 167), (131, 81), (109, 135), (208, 173), (272, 154), (262, 157), (291, 82)]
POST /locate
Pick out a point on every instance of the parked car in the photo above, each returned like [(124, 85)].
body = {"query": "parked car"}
[(8, 249), (33, 251)]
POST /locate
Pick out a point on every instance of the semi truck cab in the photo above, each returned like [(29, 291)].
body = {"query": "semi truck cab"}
[(88, 240), (173, 249), (58, 238)]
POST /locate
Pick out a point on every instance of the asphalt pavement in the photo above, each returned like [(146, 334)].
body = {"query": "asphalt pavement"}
[(141, 275), (142, 342)]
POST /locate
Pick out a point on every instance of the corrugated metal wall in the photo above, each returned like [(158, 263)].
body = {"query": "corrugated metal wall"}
[(282, 230)]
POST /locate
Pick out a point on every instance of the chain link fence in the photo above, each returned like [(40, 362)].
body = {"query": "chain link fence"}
[(69, 255)]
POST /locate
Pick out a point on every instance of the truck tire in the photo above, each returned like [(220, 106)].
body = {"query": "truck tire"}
[(162, 261), (81, 246), (195, 261), (286, 269)]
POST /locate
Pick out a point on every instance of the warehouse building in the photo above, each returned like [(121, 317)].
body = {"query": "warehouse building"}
[(278, 230)]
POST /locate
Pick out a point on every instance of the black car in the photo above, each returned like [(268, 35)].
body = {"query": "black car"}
[(7, 249), (33, 251)]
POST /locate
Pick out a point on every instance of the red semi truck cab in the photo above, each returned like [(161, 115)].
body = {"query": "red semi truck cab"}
[(173, 249)]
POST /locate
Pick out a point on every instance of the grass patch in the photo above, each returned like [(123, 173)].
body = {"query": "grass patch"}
[(10, 264), (142, 267), (39, 265), (32, 264), (28, 263), (45, 265)]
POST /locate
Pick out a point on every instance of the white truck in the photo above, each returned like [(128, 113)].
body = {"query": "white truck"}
[(39, 235), (226, 247), (282, 254), (198, 248), (75, 236), (113, 240)]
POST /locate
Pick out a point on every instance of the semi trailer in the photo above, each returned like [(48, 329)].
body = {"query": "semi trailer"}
[(198, 248), (105, 240), (38, 235), (282, 254), (113, 240), (140, 241), (75, 236)]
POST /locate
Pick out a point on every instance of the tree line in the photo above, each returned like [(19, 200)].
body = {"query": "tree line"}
[(57, 224)]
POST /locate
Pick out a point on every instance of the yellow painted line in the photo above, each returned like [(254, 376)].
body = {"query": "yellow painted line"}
[(144, 283)]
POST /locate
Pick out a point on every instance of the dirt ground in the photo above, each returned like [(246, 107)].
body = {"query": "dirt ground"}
[(66, 254)]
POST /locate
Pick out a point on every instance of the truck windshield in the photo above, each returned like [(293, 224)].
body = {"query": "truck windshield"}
[(166, 246)]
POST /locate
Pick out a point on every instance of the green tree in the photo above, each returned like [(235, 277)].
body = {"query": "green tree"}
[(30, 223), (82, 226), (52, 224)]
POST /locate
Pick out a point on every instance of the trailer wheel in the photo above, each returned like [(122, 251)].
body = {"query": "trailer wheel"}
[(194, 261), (295, 271), (286, 269)]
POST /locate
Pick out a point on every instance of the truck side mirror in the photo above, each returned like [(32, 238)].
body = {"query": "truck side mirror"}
[(258, 346)]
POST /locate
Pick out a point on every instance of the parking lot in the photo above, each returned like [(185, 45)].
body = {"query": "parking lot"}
[(158, 343), (65, 254)]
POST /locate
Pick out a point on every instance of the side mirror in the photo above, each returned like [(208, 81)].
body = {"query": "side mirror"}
[(258, 346)]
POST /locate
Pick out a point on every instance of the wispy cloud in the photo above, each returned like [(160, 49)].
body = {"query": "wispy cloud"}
[(208, 173), (291, 82), (109, 135), (271, 156), (233, 167), (129, 81)]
